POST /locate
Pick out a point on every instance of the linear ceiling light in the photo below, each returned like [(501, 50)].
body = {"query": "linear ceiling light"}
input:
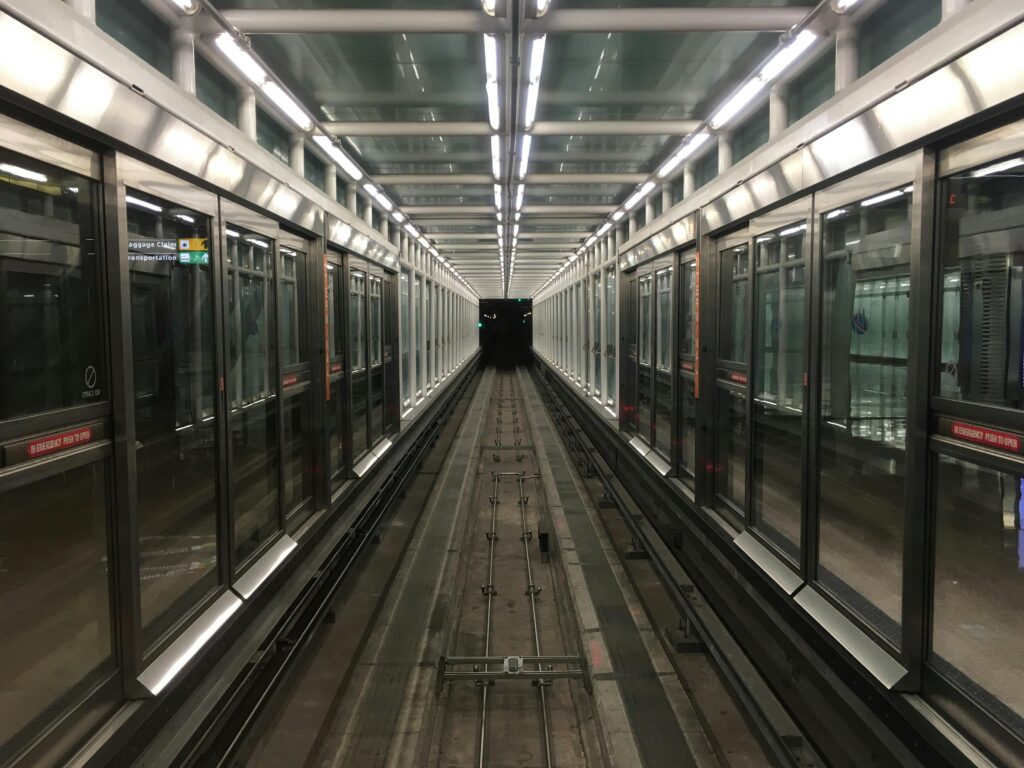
[(491, 62), (639, 195), (988, 170), (187, 7), (519, 196), (524, 154), (533, 88), (334, 152), (241, 58), (24, 173), (841, 6), (291, 108), (543, 6), (777, 64), (884, 197), (691, 145), (496, 155), (497, 196), (138, 203), (490, 6)]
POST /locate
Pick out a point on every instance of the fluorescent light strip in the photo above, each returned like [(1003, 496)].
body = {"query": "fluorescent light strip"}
[(533, 89), (241, 58), (691, 145), (988, 170), (497, 196), (793, 230), (519, 196), (398, 216), (496, 155), (415, 233), (639, 195), (885, 196), (291, 109), (618, 215), (24, 173), (787, 55), (524, 154), (742, 97), (604, 228), (339, 157), (836, 214), (231, 233), (131, 200)]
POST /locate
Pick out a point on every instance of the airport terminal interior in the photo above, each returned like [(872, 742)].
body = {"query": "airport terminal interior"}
[(512, 383)]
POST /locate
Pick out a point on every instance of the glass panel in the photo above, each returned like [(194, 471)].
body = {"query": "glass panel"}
[(609, 288), (55, 611), (812, 87), (252, 385), (687, 307), (778, 386), (978, 611), (357, 353), (51, 318), (893, 26), (298, 454), (215, 90), (731, 449), (663, 373), (376, 339), (596, 329), (732, 312), (175, 421), (688, 427), (138, 29), (865, 314), (418, 346), (430, 335), (407, 340), (645, 394), (983, 284), (294, 340)]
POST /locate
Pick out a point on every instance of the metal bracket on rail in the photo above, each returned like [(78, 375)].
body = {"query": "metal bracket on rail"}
[(539, 670), (488, 589)]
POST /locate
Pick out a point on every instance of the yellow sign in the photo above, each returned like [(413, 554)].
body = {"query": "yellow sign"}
[(192, 244)]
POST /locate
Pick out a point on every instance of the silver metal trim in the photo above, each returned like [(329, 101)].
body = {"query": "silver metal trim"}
[(382, 447), (658, 463), (768, 561), (260, 571), (172, 661), (48, 148), (883, 667), (978, 150), (896, 174), (678, 235), (143, 177), (364, 464)]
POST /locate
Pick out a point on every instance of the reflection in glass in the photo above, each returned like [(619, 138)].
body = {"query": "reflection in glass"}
[(252, 391), (298, 453), (732, 307), (359, 368), (778, 376), (731, 449), (50, 313), (175, 422), (663, 364), (293, 307), (376, 339), (865, 314), (430, 336), (983, 286), (611, 385), (645, 334), (688, 427), (687, 307), (403, 303), (336, 341), (418, 347), (54, 592), (978, 611), (596, 333)]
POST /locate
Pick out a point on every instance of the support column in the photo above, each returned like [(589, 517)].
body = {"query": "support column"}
[(649, 211), (368, 212), (183, 60), (297, 153), (247, 111), (331, 182), (689, 180), (351, 197), (778, 110), (952, 7), (631, 226), (616, 240), (666, 196), (724, 152), (385, 226), (847, 53), (86, 8)]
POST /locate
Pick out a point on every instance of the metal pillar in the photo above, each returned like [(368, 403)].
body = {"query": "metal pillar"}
[(351, 197), (847, 58), (297, 153), (689, 180), (331, 182), (649, 211), (724, 152), (385, 226), (368, 212), (951, 7), (778, 110), (183, 61), (247, 111), (666, 196), (631, 226), (86, 8)]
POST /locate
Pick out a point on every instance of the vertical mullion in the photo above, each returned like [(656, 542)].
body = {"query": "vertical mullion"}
[(125, 479), (706, 345), (812, 397), (225, 384), (916, 534), (752, 280), (274, 293)]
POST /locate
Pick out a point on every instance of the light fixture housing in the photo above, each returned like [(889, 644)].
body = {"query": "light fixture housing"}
[(340, 158)]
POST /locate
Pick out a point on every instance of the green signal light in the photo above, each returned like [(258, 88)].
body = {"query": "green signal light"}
[(479, 325)]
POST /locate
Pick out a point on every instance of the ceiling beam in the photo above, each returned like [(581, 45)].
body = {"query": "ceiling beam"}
[(615, 127), (430, 179), (407, 128), (308, 21), (765, 19)]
